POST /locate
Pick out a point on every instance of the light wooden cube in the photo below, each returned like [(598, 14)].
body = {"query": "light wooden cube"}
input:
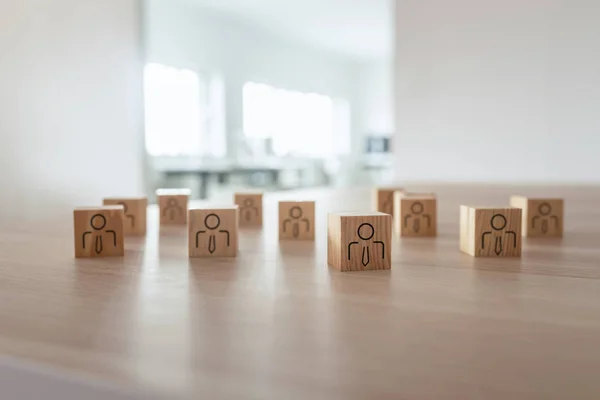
[(297, 220), (359, 241), (415, 214), (542, 217), (383, 199), (99, 231), (490, 232), (213, 232), (173, 206), (134, 209), (250, 207)]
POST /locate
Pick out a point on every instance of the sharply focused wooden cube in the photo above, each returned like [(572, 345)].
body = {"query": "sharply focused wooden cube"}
[(383, 199), (415, 214), (542, 217), (490, 232), (173, 205), (213, 232), (134, 209), (297, 220), (359, 241), (98, 231), (250, 207)]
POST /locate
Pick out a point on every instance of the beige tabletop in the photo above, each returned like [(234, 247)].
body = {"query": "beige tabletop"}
[(277, 323)]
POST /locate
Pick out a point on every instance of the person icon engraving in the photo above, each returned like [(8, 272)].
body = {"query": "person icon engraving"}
[(172, 209), (544, 217), (416, 209), (98, 223), (295, 220), (131, 217), (498, 223), (365, 232), (248, 209), (212, 222), (388, 204)]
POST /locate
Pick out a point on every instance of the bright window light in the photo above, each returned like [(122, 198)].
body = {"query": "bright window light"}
[(173, 112), (299, 124)]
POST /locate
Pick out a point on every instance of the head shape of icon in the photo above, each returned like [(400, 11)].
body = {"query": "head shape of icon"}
[(295, 212), (416, 208), (365, 231), (98, 222), (212, 221), (248, 202), (498, 222), (172, 202), (544, 209)]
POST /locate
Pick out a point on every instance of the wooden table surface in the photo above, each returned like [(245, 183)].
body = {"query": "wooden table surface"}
[(277, 323)]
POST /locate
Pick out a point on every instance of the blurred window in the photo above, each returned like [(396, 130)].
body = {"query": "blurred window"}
[(297, 124)]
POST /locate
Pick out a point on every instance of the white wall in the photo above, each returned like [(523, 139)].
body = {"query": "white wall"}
[(376, 98), (498, 90), (181, 35), (70, 104)]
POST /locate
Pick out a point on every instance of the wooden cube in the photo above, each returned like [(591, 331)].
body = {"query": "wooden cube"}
[(383, 199), (359, 241), (415, 214), (134, 209), (250, 207), (173, 206), (213, 232), (99, 231), (297, 220), (490, 232), (542, 217)]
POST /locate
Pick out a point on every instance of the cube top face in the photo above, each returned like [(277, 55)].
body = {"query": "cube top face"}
[(416, 216), (173, 209), (360, 214), (173, 192), (134, 209), (213, 232), (542, 217), (297, 220), (98, 231), (360, 242), (384, 199), (491, 232), (409, 195), (250, 208)]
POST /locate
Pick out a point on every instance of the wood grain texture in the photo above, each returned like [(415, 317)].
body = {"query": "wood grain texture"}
[(251, 208), (213, 232), (135, 210), (542, 217), (98, 231), (277, 323), (492, 232), (296, 220)]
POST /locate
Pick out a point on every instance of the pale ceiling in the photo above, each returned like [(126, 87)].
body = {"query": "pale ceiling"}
[(359, 28)]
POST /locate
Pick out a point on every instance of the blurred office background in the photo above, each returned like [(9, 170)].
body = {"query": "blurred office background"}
[(267, 94)]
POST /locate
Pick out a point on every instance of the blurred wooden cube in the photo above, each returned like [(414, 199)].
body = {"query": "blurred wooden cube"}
[(173, 206), (383, 199), (415, 214), (542, 217), (297, 220), (250, 208), (134, 209)]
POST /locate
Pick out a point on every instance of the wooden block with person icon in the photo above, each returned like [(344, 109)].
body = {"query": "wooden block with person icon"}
[(297, 220), (173, 206), (134, 209), (99, 231), (415, 214), (213, 232), (250, 208), (359, 241), (490, 232), (383, 199), (542, 217)]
